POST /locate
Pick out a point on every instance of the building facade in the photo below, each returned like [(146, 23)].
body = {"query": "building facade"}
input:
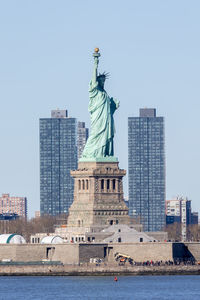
[(194, 218), (179, 207), (58, 156), (37, 214), (11, 207), (146, 166), (178, 210), (83, 134)]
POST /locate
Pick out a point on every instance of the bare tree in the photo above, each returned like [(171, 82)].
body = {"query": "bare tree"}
[(44, 224), (193, 232), (174, 231)]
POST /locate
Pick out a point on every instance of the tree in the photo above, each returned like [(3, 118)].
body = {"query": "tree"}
[(26, 228), (193, 232), (174, 231)]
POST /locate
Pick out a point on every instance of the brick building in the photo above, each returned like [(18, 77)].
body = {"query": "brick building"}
[(13, 205)]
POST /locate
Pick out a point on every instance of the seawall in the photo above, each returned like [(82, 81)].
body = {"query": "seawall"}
[(63, 270), (82, 253), (74, 259)]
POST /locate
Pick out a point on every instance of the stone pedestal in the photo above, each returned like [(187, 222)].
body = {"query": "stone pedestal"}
[(98, 196)]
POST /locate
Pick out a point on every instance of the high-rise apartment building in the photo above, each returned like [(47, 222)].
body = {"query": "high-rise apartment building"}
[(178, 210), (146, 166), (194, 218), (83, 133), (179, 207), (13, 206), (58, 156)]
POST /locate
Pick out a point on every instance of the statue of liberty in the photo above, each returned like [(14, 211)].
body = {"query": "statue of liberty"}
[(101, 107)]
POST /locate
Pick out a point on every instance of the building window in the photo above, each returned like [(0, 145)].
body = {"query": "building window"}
[(111, 222), (102, 184), (108, 184), (87, 185), (141, 240), (117, 221), (119, 240), (113, 184), (83, 184), (79, 184)]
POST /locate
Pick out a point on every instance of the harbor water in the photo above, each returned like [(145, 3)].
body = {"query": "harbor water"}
[(100, 287)]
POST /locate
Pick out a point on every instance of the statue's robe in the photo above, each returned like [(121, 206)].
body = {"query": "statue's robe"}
[(101, 108)]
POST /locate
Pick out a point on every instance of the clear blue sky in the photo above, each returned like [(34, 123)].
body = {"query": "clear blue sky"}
[(152, 51)]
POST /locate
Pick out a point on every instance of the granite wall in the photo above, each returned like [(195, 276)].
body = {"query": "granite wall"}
[(72, 254)]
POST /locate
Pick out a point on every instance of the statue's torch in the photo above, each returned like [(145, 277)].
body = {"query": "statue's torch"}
[(96, 53)]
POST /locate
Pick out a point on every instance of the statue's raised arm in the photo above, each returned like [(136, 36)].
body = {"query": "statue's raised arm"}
[(95, 70), (99, 145), (96, 56)]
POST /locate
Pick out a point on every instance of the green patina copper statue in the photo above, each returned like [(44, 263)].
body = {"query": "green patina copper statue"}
[(99, 146)]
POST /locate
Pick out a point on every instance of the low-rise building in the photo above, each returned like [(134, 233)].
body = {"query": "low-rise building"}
[(37, 214)]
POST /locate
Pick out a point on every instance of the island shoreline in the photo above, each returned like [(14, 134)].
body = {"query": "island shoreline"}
[(65, 270)]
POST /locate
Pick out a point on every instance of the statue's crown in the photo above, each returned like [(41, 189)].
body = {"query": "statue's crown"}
[(104, 74)]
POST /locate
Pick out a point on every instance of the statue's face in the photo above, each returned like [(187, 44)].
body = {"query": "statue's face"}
[(101, 81)]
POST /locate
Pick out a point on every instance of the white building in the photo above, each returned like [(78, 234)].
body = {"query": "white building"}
[(179, 210)]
